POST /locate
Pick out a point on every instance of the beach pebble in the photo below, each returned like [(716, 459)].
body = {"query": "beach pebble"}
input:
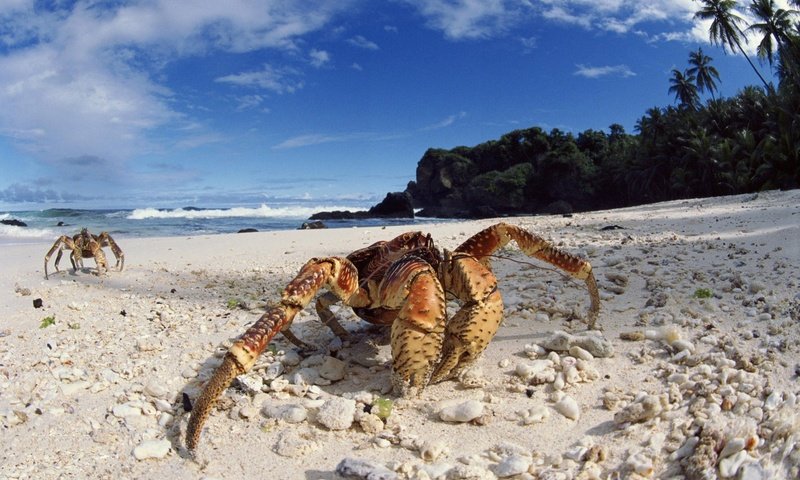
[(125, 410), (641, 464), (533, 350), (469, 472), (273, 371), (332, 369), (337, 413), (536, 372), (729, 466), (580, 353), (151, 449), (305, 376), (293, 444), (290, 358), (568, 407), (512, 465), (681, 345), (686, 449), (733, 446), (371, 423), (643, 409), (535, 415), (287, 413), (430, 450), (462, 412), (156, 390), (591, 342), (251, 383), (364, 469), (773, 401), (753, 471)]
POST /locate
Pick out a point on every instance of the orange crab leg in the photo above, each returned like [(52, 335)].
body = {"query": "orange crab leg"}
[(471, 329), (411, 287), (491, 239), (341, 278)]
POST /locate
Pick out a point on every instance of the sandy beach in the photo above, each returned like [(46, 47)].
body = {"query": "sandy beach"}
[(694, 373)]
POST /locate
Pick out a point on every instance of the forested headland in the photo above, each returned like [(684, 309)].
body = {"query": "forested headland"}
[(703, 145)]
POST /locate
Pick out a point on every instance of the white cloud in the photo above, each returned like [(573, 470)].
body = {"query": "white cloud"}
[(608, 70), (361, 42), (87, 76), (310, 139), (319, 57), (248, 102), (268, 78), (451, 119), (465, 19), (528, 44)]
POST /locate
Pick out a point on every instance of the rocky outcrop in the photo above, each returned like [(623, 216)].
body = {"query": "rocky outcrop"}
[(314, 225), (395, 205), (14, 222)]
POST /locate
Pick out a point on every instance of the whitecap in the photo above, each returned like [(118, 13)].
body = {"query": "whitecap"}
[(264, 211)]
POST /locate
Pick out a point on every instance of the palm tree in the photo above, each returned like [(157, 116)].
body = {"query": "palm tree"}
[(724, 30), (775, 23), (703, 71), (684, 88)]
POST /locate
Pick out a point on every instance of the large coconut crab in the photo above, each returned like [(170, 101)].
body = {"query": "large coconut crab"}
[(402, 283), (85, 245)]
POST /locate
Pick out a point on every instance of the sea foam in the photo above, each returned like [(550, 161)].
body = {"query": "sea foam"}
[(264, 211)]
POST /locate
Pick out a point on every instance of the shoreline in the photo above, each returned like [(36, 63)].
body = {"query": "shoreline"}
[(98, 384)]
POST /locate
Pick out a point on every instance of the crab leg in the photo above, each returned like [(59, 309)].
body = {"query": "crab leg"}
[(104, 238), (341, 278), (67, 243), (475, 324), (100, 260), (489, 240), (411, 287)]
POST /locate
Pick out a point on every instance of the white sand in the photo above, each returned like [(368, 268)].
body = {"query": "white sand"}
[(77, 397)]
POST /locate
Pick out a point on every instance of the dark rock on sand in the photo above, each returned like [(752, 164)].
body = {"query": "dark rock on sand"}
[(14, 222), (247, 230), (317, 224)]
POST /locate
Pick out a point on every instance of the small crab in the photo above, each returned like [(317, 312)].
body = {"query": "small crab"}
[(402, 283), (85, 245)]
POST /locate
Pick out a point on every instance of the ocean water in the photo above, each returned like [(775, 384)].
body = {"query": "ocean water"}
[(43, 225)]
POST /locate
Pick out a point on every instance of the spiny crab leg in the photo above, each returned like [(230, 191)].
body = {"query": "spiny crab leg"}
[(105, 238), (341, 278), (62, 242), (487, 241)]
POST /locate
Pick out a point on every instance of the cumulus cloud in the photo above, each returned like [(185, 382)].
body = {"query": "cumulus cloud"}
[(86, 78), (470, 19), (319, 57), (277, 80), (604, 71), (361, 42)]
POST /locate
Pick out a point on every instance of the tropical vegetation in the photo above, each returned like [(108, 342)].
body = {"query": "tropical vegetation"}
[(717, 146)]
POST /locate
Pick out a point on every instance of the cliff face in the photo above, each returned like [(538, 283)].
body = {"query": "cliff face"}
[(525, 171)]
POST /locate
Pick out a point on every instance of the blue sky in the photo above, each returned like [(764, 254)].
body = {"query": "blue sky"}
[(165, 103)]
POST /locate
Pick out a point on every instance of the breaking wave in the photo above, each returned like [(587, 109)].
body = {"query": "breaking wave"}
[(264, 211)]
